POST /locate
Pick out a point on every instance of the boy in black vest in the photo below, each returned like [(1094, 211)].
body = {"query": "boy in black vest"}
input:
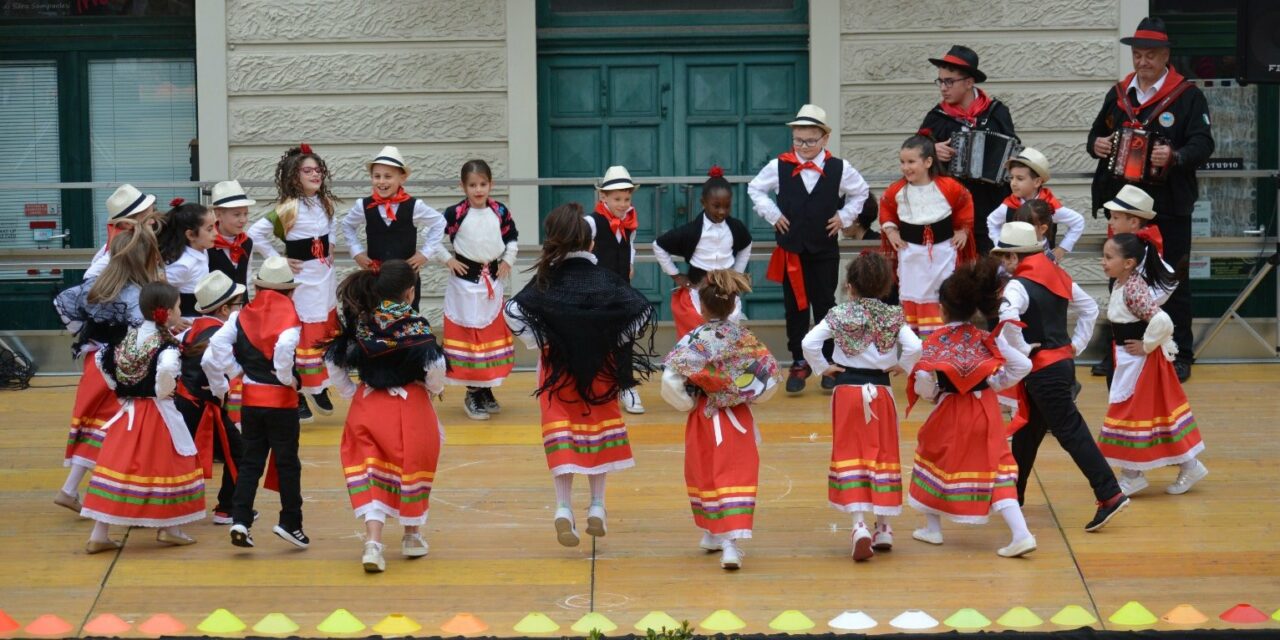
[(391, 220), (232, 247), (818, 194), (1040, 295), (613, 227)]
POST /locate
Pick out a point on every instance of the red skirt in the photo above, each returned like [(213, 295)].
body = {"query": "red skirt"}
[(686, 317), (310, 355), (866, 469), (721, 478), (95, 404), (964, 469), (1154, 427), (140, 479), (390, 447), (583, 438), (479, 357)]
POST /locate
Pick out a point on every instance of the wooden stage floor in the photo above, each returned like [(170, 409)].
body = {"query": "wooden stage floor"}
[(494, 553)]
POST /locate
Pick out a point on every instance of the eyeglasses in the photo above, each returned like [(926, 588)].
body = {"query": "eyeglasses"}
[(311, 170), (948, 82), (806, 144)]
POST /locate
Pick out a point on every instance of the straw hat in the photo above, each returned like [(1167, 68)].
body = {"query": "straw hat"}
[(1033, 160), (275, 274), (615, 178), (229, 195), (1133, 201), (215, 290), (389, 156), (127, 200), (811, 115), (1018, 237)]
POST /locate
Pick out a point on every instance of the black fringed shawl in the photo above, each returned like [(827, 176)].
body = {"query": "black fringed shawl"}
[(589, 323), (387, 356)]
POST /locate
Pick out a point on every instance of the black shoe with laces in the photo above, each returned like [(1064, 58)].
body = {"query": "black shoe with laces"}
[(795, 379), (324, 406), (294, 537), (828, 383), (490, 403), (1106, 511), (1183, 369), (304, 411)]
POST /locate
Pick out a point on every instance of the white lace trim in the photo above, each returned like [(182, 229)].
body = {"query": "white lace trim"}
[(591, 471)]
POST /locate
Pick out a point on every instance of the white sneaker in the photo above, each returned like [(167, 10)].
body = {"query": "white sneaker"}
[(883, 540), (566, 532), (413, 545), (631, 401), (595, 521), (1187, 479), (923, 534), (1130, 485), (730, 556), (1018, 548), (709, 543), (373, 560), (862, 543)]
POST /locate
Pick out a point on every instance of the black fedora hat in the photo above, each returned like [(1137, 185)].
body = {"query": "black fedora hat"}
[(963, 58), (1150, 34)]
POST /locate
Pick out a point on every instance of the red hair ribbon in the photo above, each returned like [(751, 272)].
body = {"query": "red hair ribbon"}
[(926, 132), (305, 148), (375, 266), (176, 202), (1146, 235), (716, 171), (160, 315)]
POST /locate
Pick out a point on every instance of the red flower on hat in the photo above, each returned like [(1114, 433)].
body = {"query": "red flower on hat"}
[(305, 148), (176, 202), (716, 171)]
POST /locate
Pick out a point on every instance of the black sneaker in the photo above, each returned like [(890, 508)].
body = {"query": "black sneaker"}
[(296, 537), (324, 406), (1107, 511), (490, 403), (795, 379), (304, 411), (828, 383), (473, 404), (1104, 366), (240, 535), (1183, 369)]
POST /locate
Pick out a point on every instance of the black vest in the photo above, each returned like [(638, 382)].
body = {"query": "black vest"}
[(1045, 317), (256, 365), (187, 305), (193, 377), (397, 240), (610, 253), (807, 212), (237, 271)]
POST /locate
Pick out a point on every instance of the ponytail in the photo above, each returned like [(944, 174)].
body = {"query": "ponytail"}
[(563, 232), (1144, 252)]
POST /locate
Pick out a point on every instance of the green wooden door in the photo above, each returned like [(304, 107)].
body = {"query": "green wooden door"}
[(669, 115)]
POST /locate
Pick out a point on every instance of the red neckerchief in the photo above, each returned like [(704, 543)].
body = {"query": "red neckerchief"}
[(618, 225), (801, 165), (970, 115), (1042, 271), (234, 246), (1013, 202), (112, 232), (390, 203), (1172, 82), (270, 314), (966, 354)]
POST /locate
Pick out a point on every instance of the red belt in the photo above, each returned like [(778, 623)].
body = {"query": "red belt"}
[(1046, 357), (269, 396)]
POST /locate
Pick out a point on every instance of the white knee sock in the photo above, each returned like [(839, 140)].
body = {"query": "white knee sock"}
[(74, 475), (858, 519), (1187, 466), (597, 488), (100, 531), (1017, 523), (564, 490), (882, 523), (1132, 473), (933, 522)]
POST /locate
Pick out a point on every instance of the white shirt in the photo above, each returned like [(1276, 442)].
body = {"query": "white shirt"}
[(219, 360), (99, 263), (188, 270), (714, 250), (852, 187), (591, 222), (316, 294), (1143, 96), (424, 217), (1016, 301), (479, 238), (1070, 218), (871, 358)]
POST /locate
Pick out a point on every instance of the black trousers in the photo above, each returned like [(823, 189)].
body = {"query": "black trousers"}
[(1176, 231), (269, 430), (821, 274), (1053, 410), (191, 413)]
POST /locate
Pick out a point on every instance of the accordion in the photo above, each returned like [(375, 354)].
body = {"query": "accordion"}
[(1130, 158), (983, 155)]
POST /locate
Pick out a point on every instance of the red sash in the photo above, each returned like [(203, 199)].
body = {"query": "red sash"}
[(784, 264)]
